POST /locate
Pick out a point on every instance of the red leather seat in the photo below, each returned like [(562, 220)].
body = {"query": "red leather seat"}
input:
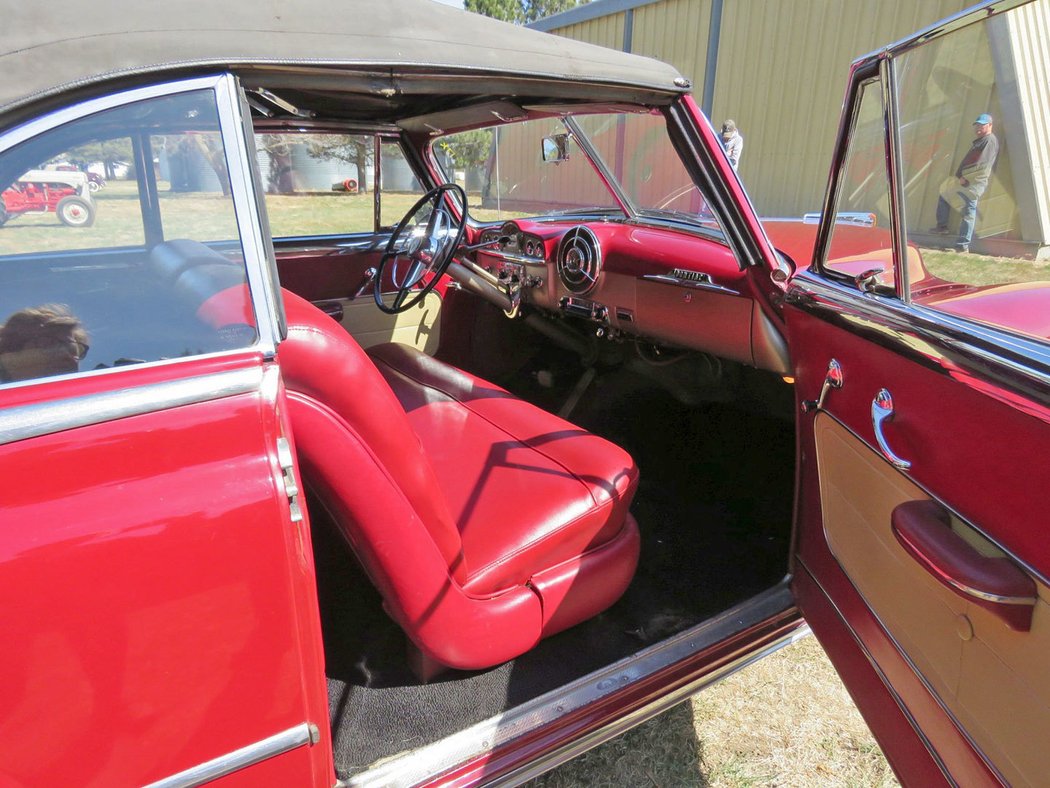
[(485, 522)]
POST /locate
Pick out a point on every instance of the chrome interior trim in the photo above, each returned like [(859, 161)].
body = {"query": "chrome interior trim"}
[(416, 766), (515, 258), (696, 285), (31, 421), (239, 759), (988, 597)]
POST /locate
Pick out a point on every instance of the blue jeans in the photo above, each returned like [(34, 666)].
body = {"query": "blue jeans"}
[(969, 216)]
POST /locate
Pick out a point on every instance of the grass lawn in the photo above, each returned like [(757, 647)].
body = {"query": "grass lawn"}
[(197, 215), (979, 269), (785, 721)]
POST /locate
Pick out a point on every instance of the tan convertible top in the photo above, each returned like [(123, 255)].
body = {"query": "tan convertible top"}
[(48, 47)]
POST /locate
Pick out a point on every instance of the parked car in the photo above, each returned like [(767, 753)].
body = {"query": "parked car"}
[(452, 488), (66, 194)]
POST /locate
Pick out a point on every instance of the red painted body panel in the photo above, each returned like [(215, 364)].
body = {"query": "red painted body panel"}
[(166, 603), (1019, 307)]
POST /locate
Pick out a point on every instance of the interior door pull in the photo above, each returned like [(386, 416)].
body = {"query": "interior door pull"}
[(995, 583), (881, 412)]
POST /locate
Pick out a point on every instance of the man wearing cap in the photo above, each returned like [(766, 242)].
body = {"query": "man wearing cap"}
[(970, 180), (733, 142)]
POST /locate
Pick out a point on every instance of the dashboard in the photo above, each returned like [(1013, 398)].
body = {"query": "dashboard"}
[(629, 280)]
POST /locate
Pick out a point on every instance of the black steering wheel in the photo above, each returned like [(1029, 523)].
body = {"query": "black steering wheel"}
[(421, 248)]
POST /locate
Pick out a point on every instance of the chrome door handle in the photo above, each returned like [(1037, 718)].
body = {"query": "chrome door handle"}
[(882, 411), (366, 282), (832, 380)]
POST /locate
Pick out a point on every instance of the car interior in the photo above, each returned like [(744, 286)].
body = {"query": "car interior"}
[(547, 493), (575, 450)]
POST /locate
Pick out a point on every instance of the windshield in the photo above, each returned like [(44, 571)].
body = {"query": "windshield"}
[(505, 176)]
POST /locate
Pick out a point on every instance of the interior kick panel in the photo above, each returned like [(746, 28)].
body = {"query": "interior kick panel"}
[(418, 327)]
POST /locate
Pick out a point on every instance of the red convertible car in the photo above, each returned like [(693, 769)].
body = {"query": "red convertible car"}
[(530, 438)]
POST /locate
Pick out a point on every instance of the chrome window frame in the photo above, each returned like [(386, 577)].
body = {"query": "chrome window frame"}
[(257, 250)]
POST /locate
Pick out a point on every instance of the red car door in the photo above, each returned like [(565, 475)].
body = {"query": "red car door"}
[(923, 385), (160, 617)]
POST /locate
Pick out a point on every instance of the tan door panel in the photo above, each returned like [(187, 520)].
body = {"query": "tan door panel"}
[(1004, 692), (993, 679), (418, 327), (859, 491)]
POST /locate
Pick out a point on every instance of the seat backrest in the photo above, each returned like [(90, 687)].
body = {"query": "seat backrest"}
[(321, 361)]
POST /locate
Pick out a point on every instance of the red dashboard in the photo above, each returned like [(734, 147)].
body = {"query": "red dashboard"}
[(631, 279)]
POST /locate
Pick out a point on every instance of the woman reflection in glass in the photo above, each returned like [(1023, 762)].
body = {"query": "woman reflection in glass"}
[(41, 341)]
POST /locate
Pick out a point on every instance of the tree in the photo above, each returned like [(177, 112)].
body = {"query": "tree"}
[(278, 148), (110, 152), (468, 148), (520, 12), (358, 150)]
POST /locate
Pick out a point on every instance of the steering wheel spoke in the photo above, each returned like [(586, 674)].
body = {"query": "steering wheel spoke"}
[(424, 243)]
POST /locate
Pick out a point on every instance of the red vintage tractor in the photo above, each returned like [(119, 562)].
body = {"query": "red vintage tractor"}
[(66, 194)]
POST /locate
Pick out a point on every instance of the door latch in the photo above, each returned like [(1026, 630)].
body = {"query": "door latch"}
[(291, 486)]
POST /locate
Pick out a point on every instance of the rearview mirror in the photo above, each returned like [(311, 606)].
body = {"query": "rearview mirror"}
[(556, 148)]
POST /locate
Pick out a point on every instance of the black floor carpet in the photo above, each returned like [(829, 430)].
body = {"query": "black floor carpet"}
[(714, 509)]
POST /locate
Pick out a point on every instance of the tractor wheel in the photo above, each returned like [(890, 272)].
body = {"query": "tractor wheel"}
[(4, 215), (94, 186), (75, 211)]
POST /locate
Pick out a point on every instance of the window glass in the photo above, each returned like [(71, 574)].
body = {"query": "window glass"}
[(86, 290), (399, 187), (193, 185), (88, 188), (504, 175), (974, 128), (860, 238), (317, 183), (637, 151)]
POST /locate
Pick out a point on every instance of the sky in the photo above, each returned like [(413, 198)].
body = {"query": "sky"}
[(454, 3)]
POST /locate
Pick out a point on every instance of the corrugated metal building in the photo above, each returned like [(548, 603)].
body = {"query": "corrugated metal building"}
[(777, 67)]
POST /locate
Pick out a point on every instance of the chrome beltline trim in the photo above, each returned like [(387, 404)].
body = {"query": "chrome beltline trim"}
[(242, 758), (31, 421), (415, 766), (1021, 357)]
